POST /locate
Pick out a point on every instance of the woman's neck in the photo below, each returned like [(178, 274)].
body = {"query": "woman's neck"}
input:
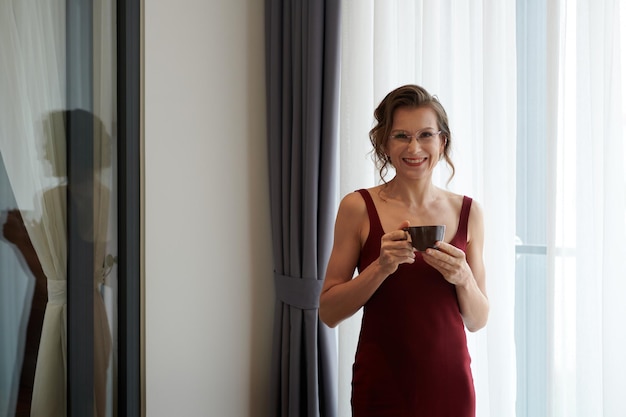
[(416, 194)]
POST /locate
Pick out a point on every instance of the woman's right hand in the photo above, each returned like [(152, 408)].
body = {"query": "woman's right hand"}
[(396, 249)]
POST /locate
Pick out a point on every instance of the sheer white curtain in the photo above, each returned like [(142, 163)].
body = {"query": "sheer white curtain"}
[(33, 84), (463, 52), (587, 248)]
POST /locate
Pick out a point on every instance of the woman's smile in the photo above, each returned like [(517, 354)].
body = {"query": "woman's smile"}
[(415, 162)]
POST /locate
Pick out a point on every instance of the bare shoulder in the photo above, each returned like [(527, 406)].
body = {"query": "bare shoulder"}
[(352, 216), (456, 201), (352, 205), (453, 201)]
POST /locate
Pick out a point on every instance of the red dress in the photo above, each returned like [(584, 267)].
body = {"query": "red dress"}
[(412, 358)]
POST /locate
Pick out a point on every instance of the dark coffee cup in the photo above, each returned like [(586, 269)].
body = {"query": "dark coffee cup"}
[(424, 237)]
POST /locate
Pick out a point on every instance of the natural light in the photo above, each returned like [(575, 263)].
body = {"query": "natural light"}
[(565, 361)]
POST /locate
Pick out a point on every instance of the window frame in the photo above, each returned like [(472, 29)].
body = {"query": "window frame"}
[(131, 370)]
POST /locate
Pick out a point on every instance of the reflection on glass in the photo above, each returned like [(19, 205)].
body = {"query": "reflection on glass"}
[(39, 235), (34, 207)]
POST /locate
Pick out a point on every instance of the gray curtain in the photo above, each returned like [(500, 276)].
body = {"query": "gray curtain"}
[(302, 52)]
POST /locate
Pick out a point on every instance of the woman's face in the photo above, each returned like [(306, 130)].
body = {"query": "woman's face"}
[(415, 144)]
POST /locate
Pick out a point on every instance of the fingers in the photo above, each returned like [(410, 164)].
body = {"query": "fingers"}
[(401, 234), (396, 243), (449, 261), (404, 224), (396, 249), (445, 254), (449, 249)]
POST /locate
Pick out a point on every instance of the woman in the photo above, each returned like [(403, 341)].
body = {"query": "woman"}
[(412, 357)]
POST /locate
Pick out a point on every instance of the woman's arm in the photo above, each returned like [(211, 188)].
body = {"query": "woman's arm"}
[(342, 295)]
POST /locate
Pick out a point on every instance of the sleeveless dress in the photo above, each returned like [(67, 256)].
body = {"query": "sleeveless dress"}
[(412, 358)]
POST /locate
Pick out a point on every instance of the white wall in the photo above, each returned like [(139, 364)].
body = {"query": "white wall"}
[(209, 284)]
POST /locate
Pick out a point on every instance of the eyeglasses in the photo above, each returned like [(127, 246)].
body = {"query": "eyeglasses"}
[(423, 138)]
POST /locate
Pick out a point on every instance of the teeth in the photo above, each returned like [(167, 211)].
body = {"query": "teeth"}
[(414, 161)]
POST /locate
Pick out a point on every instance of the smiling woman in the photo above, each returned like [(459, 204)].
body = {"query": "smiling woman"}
[(407, 362), (464, 52)]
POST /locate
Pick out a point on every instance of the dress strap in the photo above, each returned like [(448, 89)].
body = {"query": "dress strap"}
[(464, 218), (375, 226)]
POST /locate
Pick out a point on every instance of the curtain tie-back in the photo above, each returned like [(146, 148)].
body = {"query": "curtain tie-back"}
[(57, 293), (303, 293)]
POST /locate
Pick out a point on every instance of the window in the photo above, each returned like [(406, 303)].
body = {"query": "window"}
[(570, 208), (69, 181), (535, 93), (531, 323)]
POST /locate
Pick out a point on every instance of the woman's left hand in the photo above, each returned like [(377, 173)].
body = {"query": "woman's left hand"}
[(450, 262)]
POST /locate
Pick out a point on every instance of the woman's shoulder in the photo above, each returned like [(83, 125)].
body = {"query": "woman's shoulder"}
[(353, 202), (356, 200), (458, 199), (352, 216), (475, 220), (455, 200), (357, 193), (475, 216)]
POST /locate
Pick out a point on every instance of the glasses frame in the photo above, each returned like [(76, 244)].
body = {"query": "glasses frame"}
[(418, 137)]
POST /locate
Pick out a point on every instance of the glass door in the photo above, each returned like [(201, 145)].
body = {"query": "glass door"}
[(58, 188)]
